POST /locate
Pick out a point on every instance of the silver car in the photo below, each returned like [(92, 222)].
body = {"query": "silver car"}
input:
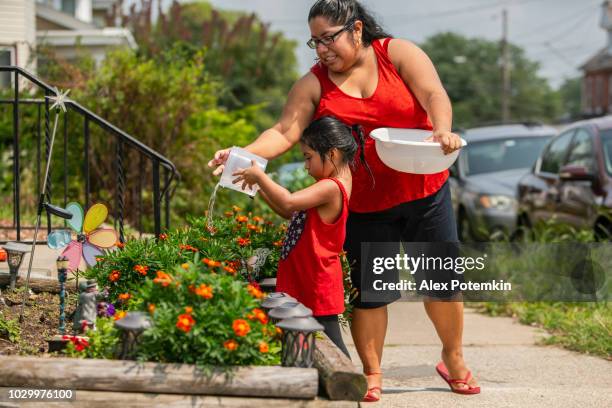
[(485, 176)]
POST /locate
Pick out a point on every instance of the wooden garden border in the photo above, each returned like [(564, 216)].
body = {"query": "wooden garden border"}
[(156, 378)]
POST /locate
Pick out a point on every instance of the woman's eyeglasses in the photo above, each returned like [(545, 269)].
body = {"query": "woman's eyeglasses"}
[(327, 40)]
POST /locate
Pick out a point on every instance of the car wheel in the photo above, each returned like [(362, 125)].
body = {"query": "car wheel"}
[(523, 229), (463, 226)]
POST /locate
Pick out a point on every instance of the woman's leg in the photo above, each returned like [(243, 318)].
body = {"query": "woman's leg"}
[(432, 220), (332, 329), (447, 318)]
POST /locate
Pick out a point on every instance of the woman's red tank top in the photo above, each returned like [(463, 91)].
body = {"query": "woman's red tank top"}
[(392, 105)]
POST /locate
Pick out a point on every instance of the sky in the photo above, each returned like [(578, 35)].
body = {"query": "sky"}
[(560, 34)]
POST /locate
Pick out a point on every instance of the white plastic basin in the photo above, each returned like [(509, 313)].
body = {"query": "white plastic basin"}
[(404, 150)]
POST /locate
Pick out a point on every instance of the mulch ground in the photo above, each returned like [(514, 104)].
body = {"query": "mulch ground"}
[(40, 322)]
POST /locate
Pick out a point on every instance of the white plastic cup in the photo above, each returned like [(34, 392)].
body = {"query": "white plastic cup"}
[(240, 159)]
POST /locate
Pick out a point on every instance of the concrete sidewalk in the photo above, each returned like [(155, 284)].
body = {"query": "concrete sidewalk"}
[(511, 369)]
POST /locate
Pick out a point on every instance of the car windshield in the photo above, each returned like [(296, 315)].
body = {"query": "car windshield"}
[(503, 154), (606, 138)]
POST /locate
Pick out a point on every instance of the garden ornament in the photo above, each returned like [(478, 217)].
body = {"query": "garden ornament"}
[(59, 104)]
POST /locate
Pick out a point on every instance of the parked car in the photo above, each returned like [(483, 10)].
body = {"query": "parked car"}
[(484, 177), (572, 179)]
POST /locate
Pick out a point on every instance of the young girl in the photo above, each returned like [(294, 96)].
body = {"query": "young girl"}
[(310, 269)]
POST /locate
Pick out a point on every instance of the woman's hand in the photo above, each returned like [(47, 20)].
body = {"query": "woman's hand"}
[(249, 176), (449, 142), (219, 161)]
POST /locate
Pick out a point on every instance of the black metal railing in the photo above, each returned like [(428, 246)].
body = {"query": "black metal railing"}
[(143, 161)]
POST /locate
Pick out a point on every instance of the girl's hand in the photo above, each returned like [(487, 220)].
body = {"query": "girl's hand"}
[(249, 176), (449, 142), (219, 161)]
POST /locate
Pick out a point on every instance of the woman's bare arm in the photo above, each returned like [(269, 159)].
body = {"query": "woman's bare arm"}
[(298, 111), (419, 73)]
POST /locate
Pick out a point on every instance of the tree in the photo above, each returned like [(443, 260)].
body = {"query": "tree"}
[(471, 73), (571, 98), (256, 65)]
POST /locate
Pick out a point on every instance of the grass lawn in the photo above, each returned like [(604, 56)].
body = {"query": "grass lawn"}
[(583, 327)]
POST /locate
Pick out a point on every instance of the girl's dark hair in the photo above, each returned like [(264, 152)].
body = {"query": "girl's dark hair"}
[(327, 132), (346, 12)]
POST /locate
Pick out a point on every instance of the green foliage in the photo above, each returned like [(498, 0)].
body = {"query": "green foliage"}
[(101, 343), (235, 239), (583, 327), (9, 329), (255, 65), (571, 97), (474, 86), (213, 305)]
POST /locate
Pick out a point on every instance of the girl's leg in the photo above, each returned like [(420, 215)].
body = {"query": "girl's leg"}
[(369, 327), (332, 329)]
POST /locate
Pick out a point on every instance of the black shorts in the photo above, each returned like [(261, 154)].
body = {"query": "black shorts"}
[(427, 220)]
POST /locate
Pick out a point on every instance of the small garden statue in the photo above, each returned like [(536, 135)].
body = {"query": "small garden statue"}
[(87, 309)]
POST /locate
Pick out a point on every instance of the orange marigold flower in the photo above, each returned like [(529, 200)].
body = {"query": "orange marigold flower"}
[(257, 219), (263, 347), (114, 276), (151, 308), (98, 259), (241, 327), (188, 248), (255, 291), (188, 309), (228, 214), (252, 227), (185, 266), (234, 264), (143, 270), (210, 263), (119, 315), (242, 218), (124, 297), (191, 288), (243, 241), (278, 243), (230, 345), (185, 322), (229, 270), (119, 244), (260, 315), (163, 237), (205, 291), (163, 278), (236, 208)]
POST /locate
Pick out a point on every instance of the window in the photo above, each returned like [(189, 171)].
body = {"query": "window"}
[(69, 7), (503, 154), (5, 59), (606, 138), (581, 153), (555, 154)]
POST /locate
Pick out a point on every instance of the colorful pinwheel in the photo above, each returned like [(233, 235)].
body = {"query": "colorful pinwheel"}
[(91, 239)]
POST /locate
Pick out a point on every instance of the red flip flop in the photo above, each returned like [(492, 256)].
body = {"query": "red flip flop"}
[(470, 390), (371, 396)]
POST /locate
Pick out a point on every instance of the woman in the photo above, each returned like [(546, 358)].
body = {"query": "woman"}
[(364, 77)]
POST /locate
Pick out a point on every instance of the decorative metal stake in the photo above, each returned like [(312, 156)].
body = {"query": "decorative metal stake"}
[(59, 103), (62, 273)]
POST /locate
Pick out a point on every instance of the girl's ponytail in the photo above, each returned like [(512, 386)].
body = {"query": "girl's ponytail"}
[(358, 129)]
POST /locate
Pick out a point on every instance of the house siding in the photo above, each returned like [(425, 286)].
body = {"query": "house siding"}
[(18, 29)]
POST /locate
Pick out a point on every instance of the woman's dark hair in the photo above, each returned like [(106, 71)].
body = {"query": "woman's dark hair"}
[(346, 12), (327, 132)]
